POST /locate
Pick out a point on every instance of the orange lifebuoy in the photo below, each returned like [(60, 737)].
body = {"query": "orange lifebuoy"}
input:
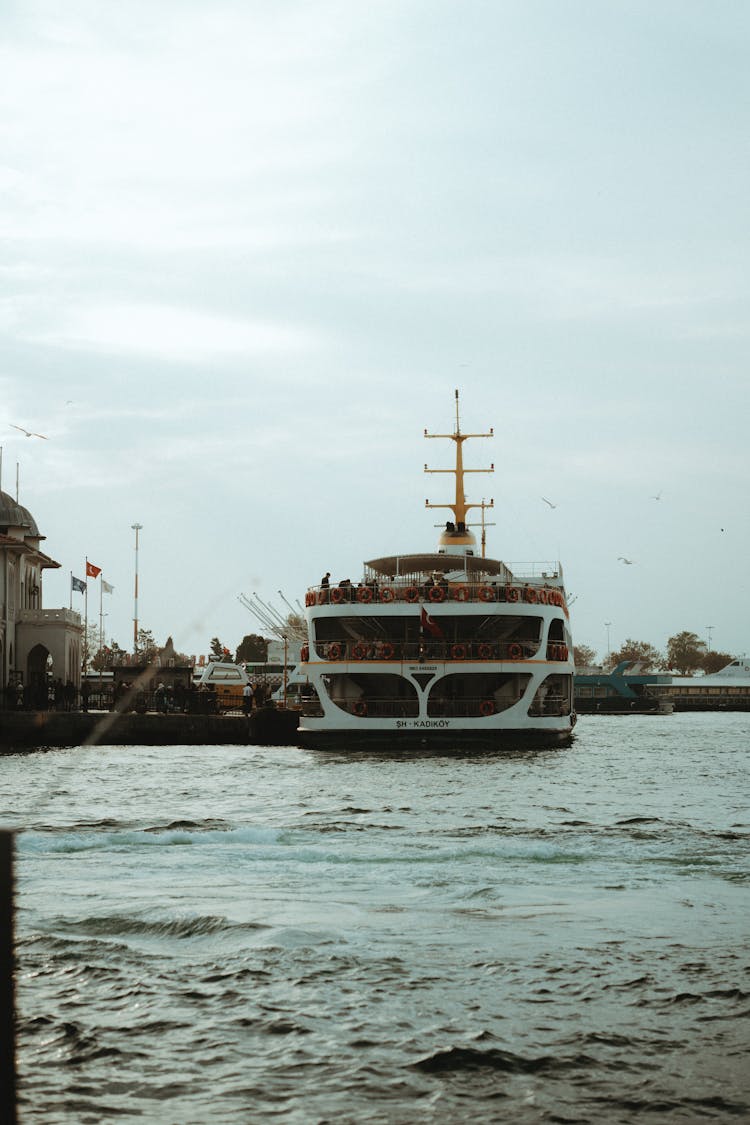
[(511, 594), (334, 651), (486, 708), (364, 593), (323, 595), (338, 595), (360, 708), (543, 597), (485, 651), (564, 654), (486, 594), (530, 594), (458, 652), (387, 650), (460, 594), (387, 594), (436, 594), (359, 652), (515, 651), (411, 594), (304, 654), (309, 598)]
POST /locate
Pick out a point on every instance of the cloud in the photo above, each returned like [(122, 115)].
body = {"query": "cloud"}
[(178, 333)]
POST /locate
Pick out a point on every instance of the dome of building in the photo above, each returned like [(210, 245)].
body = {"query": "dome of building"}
[(15, 515)]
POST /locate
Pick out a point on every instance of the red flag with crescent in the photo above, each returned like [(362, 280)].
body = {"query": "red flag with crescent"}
[(429, 625)]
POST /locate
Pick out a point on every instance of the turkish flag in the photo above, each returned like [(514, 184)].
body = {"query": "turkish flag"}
[(429, 625), (92, 571)]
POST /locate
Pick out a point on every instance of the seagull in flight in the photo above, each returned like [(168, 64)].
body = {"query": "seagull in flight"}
[(29, 433), (546, 501), (657, 497), (628, 562)]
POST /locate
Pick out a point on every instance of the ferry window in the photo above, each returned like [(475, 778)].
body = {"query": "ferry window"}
[(381, 694), (464, 694), (552, 696), (556, 629)]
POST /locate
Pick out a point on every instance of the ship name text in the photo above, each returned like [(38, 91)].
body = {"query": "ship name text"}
[(431, 724)]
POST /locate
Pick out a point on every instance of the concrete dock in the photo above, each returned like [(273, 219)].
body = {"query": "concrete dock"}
[(38, 730)]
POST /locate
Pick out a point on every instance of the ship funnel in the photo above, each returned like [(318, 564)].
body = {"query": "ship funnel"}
[(456, 539)]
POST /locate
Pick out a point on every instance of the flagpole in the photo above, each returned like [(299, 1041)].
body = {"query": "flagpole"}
[(101, 630), (71, 589), (136, 527), (86, 620)]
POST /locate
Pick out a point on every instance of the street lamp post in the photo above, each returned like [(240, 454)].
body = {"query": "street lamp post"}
[(607, 625), (136, 528), (709, 630)]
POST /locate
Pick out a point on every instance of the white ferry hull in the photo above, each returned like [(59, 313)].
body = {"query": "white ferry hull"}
[(435, 734)]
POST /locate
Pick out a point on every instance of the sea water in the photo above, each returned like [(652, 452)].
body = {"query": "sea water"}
[(245, 934)]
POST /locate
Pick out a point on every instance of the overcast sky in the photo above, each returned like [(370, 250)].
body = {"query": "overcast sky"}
[(250, 249)]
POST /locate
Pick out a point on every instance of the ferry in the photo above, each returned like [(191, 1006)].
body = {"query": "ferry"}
[(625, 690), (725, 690), (447, 648)]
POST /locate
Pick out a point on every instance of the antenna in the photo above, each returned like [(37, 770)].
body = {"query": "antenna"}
[(459, 507), (484, 506)]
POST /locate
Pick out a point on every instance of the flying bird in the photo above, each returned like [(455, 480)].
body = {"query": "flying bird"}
[(628, 562), (29, 433), (546, 501), (657, 497)]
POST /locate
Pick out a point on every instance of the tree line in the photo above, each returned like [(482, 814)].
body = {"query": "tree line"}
[(685, 654), (253, 649)]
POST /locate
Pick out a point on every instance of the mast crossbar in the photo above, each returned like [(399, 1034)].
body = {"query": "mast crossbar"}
[(459, 507)]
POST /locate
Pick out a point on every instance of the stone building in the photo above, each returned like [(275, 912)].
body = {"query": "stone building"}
[(36, 644)]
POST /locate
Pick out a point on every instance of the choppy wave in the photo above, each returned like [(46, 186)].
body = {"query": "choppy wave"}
[(175, 834), (285, 936), (118, 925)]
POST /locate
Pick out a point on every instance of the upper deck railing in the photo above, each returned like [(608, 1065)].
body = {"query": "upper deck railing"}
[(434, 593)]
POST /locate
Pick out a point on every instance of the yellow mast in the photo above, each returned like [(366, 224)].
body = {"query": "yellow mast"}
[(459, 507)]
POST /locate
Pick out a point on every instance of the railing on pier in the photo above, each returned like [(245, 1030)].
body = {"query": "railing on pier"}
[(191, 701)]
